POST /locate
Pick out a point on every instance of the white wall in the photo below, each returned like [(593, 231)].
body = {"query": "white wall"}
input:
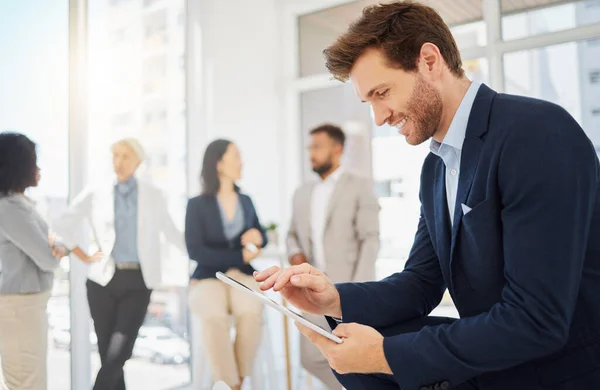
[(235, 91)]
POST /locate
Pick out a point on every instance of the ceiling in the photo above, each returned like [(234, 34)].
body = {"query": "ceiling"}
[(454, 12)]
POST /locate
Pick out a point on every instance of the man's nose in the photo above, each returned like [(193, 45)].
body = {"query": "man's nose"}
[(381, 114)]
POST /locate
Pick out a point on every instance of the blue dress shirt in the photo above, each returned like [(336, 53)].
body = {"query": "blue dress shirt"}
[(450, 148), (126, 215)]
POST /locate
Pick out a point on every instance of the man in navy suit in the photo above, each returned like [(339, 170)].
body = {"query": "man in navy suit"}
[(510, 225)]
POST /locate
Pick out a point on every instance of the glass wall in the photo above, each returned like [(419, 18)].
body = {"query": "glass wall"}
[(548, 19), (540, 72), (137, 89), (319, 29), (33, 101)]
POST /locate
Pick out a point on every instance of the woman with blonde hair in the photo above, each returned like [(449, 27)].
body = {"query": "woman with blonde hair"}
[(128, 217)]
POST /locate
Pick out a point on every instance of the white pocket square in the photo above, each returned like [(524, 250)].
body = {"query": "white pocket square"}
[(465, 208)]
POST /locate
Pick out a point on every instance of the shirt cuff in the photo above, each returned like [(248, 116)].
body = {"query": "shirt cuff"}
[(63, 245)]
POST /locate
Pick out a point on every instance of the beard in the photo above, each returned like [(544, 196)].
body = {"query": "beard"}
[(322, 168), (425, 111)]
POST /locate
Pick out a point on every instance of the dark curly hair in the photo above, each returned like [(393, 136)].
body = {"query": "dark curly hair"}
[(18, 163), (209, 177)]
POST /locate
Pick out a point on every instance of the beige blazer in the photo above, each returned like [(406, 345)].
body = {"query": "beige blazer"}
[(351, 239)]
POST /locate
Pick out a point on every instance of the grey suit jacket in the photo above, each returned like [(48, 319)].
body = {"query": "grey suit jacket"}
[(351, 239)]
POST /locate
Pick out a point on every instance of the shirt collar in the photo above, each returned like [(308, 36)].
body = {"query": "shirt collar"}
[(126, 186), (334, 176), (458, 127), (23, 198)]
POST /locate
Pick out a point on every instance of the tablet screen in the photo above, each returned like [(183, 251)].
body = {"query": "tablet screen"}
[(279, 307)]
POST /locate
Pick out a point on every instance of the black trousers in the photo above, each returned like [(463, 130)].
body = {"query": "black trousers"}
[(118, 310), (387, 382)]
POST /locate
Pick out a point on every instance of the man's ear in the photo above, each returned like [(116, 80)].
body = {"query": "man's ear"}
[(430, 59)]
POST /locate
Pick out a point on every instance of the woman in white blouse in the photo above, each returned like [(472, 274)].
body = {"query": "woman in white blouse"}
[(129, 219)]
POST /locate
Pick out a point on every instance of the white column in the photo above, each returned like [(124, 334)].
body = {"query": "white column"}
[(492, 15), (80, 318)]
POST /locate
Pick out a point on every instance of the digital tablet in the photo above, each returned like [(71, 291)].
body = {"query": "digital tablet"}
[(282, 309)]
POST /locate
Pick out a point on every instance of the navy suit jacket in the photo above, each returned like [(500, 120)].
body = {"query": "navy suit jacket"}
[(523, 266), (206, 241)]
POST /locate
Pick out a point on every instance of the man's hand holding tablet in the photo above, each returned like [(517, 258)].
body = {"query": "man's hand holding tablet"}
[(311, 291), (305, 287)]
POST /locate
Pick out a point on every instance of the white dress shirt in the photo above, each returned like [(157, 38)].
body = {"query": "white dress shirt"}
[(319, 204)]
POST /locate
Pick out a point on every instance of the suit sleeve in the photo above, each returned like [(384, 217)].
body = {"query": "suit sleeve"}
[(367, 229), (414, 292), (548, 184), (196, 244), (292, 240)]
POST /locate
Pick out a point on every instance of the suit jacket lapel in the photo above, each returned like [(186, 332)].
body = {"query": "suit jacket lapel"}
[(471, 150), (216, 216), (335, 196), (305, 212), (441, 213), (247, 210)]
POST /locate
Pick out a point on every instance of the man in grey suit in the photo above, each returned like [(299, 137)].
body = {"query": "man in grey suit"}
[(334, 227)]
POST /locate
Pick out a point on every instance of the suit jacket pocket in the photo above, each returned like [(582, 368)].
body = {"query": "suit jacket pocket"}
[(481, 214), (480, 252)]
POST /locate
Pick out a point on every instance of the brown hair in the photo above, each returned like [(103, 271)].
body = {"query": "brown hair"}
[(334, 132), (399, 29)]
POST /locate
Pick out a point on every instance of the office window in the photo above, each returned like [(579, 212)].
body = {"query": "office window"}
[(470, 34), (33, 101), (396, 171), (389, 188), (155, 29), (543, 19), (122, 119), (138, 103), (154, 73), (477, 69), (319, 29), (149, 3), (541, 73)]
